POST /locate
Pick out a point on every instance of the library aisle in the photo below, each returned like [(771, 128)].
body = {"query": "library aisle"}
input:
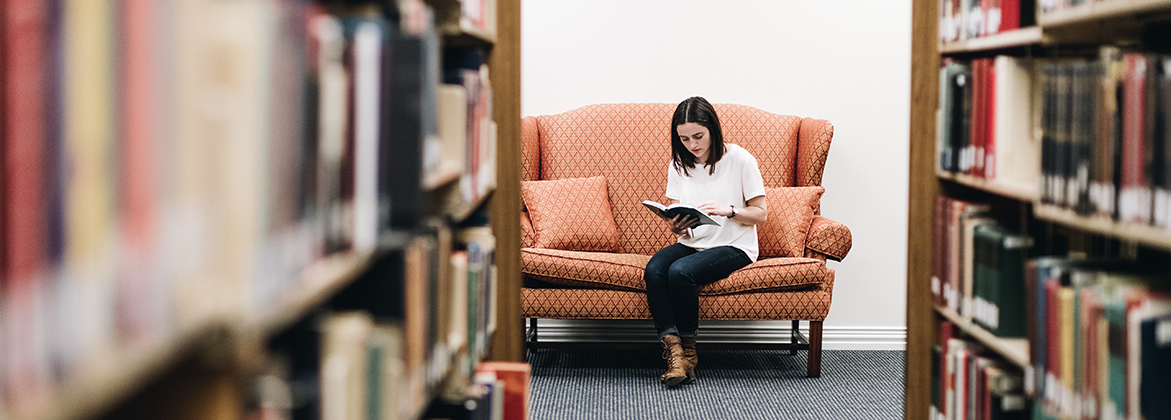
[(260, 209), (1039, 281)]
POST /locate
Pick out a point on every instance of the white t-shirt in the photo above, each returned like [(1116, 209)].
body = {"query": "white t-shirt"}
[(737, 180)]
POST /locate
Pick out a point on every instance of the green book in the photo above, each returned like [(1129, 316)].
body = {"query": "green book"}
[(999, 276), (1116, 317)]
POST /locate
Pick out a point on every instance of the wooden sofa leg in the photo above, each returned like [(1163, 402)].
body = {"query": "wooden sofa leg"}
[(530, 337), (814, 363), (794, 333)]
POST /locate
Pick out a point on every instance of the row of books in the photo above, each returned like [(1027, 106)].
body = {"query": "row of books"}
[(467, 130), (985, 124), (499, 391), (479, 14), (1089, 135), (412, 329), (1105, 146), (1099, 332), (969, 19), (1096, 330), (968, 382), (170, 163), (443, 292), (978, 265)]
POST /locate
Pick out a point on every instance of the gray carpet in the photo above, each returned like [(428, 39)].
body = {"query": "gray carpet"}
[(624, 384)]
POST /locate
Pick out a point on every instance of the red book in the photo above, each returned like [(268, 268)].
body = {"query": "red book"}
[(1132, 206), (516, 376), (975, 149), (960, 211), (1010, 15), (25, 235), (1053, 328), (137, 174), (946, 381), (1092, 312)]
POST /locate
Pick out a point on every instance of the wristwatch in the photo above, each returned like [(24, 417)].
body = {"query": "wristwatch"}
[(733, 211)]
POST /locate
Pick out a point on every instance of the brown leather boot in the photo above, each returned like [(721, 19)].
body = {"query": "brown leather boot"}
[(677, 365), (688, 344)]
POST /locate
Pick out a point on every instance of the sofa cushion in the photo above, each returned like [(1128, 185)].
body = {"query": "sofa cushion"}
[(603, 270), (770, 275), (811, 304), (571, 214), (790, 212), (606, 270)]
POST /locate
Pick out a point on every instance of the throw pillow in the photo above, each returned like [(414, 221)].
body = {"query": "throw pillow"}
[(790, 211), (571, 214)]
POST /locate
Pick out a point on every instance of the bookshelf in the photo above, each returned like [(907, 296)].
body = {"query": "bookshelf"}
[(1067, 33), (1102, 12), (1147, 235), (1015, 38), (241, 266), (1018, 191), (1015, 350)]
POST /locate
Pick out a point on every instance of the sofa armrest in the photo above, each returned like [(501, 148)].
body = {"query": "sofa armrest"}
[(828, 238)]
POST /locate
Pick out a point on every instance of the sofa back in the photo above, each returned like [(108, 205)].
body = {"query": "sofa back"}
[(629, 144)]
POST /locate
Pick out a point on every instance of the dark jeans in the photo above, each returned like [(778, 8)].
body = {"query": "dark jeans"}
[(673, 277)]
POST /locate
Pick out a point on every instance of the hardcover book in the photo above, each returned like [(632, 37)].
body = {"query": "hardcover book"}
[(669, 212)]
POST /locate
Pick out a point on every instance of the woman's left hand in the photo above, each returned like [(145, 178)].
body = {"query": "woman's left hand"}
[(712, 209)]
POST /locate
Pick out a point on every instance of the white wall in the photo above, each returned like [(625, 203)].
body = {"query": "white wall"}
[(845, 61)]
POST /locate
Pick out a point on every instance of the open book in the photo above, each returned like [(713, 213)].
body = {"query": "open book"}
[(669, 212)]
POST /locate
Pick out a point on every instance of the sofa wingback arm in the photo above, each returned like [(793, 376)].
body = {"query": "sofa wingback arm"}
[(828, 238), (813, 143)]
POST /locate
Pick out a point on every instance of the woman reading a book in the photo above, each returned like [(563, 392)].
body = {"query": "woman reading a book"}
[(723, 181)]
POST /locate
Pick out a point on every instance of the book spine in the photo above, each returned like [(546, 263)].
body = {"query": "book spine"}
[(1131, 196), (25, 249)]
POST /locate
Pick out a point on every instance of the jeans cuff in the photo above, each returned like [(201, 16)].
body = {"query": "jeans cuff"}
[(687, 334), (669, 330)]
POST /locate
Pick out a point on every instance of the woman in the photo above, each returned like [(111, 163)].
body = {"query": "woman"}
[(723, 181)]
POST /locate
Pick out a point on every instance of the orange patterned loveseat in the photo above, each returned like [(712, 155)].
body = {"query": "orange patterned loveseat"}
[(628, 144)]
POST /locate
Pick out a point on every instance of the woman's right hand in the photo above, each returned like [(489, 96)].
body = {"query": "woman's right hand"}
[(680, 223)]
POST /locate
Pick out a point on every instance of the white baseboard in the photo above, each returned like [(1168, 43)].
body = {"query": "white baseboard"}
[(832, 337)]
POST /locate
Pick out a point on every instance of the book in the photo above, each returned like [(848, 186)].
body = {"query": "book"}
[(1013, 153), (1108, 133), (968, 263), (938, 241), (368, 41), (402, 148), (1155, 339), (953, 82), (344, 365), (1134, 199), (1081, 136), (999, 282), (516, 377), (1162, 134), (974, 152), (332, 92), (23, 139), (960, 212), (669, 212), (949, 20)]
